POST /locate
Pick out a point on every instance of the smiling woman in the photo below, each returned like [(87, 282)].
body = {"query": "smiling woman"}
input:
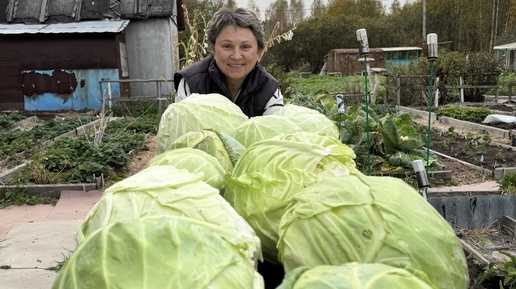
[(236, 41)]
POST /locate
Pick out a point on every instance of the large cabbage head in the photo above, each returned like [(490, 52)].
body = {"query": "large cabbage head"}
[(220, 145), (264, 127), (194, 161), (367, 219), (270, 172), (164, 252), (309, 120), (353, 276), (165, 191), (198, 112)]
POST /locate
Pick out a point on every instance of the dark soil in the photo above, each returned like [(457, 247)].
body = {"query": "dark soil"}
[(475, 148), (479, 149)]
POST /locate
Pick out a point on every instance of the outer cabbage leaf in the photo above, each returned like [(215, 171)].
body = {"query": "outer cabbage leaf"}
[(352, 276), (364, 219), (309, 120), (264, 127), (161, 252), (165, 191), (198, 112), (270, 172), (220, 145), (194, 161)]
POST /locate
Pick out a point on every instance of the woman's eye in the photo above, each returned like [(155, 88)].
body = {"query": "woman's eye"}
[(226, 46)]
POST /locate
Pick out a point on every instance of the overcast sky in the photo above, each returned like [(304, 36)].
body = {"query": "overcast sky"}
[(264, 4)]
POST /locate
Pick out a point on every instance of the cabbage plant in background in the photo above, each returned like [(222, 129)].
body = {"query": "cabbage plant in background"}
[(367, 219), (195, 113), (353, 276), (194, 161), (309, 120), (264, 127), (220, 145), (166, 191), (270, 172), (166, 252)]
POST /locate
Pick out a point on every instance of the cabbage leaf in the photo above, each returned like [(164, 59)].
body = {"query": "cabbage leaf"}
[(166, 252), (309, 120), (367, 219), (165, 191), (194, 161), (264, 127), (352, 276), (198, 112), (270, 172)]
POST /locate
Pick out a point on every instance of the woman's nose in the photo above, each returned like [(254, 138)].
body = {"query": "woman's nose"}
[(237, 54)]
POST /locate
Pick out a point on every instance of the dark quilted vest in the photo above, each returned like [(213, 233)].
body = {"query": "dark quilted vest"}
[(204, 77)]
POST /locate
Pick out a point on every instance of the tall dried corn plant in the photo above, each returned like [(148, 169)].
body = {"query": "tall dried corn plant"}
[(196, 46), (195, 49), (276, 38)]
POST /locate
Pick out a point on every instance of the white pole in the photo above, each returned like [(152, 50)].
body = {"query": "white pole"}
[(109, 94), (436, 92), (461, 89)]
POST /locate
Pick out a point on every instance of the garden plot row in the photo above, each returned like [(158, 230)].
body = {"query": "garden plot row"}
[(78, 158), (474, 147)]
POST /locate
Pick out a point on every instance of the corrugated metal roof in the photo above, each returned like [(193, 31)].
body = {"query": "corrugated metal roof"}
[(97, 26), (353, 50), (375, 50), (510, 46), (401, 48)]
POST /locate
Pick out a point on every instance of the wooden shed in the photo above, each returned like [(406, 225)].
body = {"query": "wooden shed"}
[(346, 61), (54, 53), (507, 54)]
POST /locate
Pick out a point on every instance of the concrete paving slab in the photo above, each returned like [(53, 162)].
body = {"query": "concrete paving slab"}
[(74, 205), (40, 244), (480, 187), (26, 279), (13, 215)]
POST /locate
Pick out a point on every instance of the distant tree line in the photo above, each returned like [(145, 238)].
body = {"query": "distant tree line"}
[(461, 25)]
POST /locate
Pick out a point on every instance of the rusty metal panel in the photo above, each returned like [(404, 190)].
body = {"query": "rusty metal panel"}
[(60, 83), (11, 96), (61, 51), (10, 76), (47, 89), (11, 100)]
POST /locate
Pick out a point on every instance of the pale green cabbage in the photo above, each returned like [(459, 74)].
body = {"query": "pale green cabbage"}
[(220, 145), (264, 127), (194, 161), (164, 252), (165, 191), (367, 219), (271, 171), (198, 112), (353, 276), (309, 120)]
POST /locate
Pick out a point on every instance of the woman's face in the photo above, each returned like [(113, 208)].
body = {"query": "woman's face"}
[(236, 52)]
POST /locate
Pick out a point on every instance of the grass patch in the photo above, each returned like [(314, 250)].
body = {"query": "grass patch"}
[(18, 197)]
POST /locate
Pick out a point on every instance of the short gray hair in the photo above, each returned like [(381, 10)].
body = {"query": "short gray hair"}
[(241, 17)]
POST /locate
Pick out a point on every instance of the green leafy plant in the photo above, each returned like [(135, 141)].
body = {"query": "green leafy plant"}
[(508, 183), (7, 120), (18, 197), (473, 114), (506, 272)]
